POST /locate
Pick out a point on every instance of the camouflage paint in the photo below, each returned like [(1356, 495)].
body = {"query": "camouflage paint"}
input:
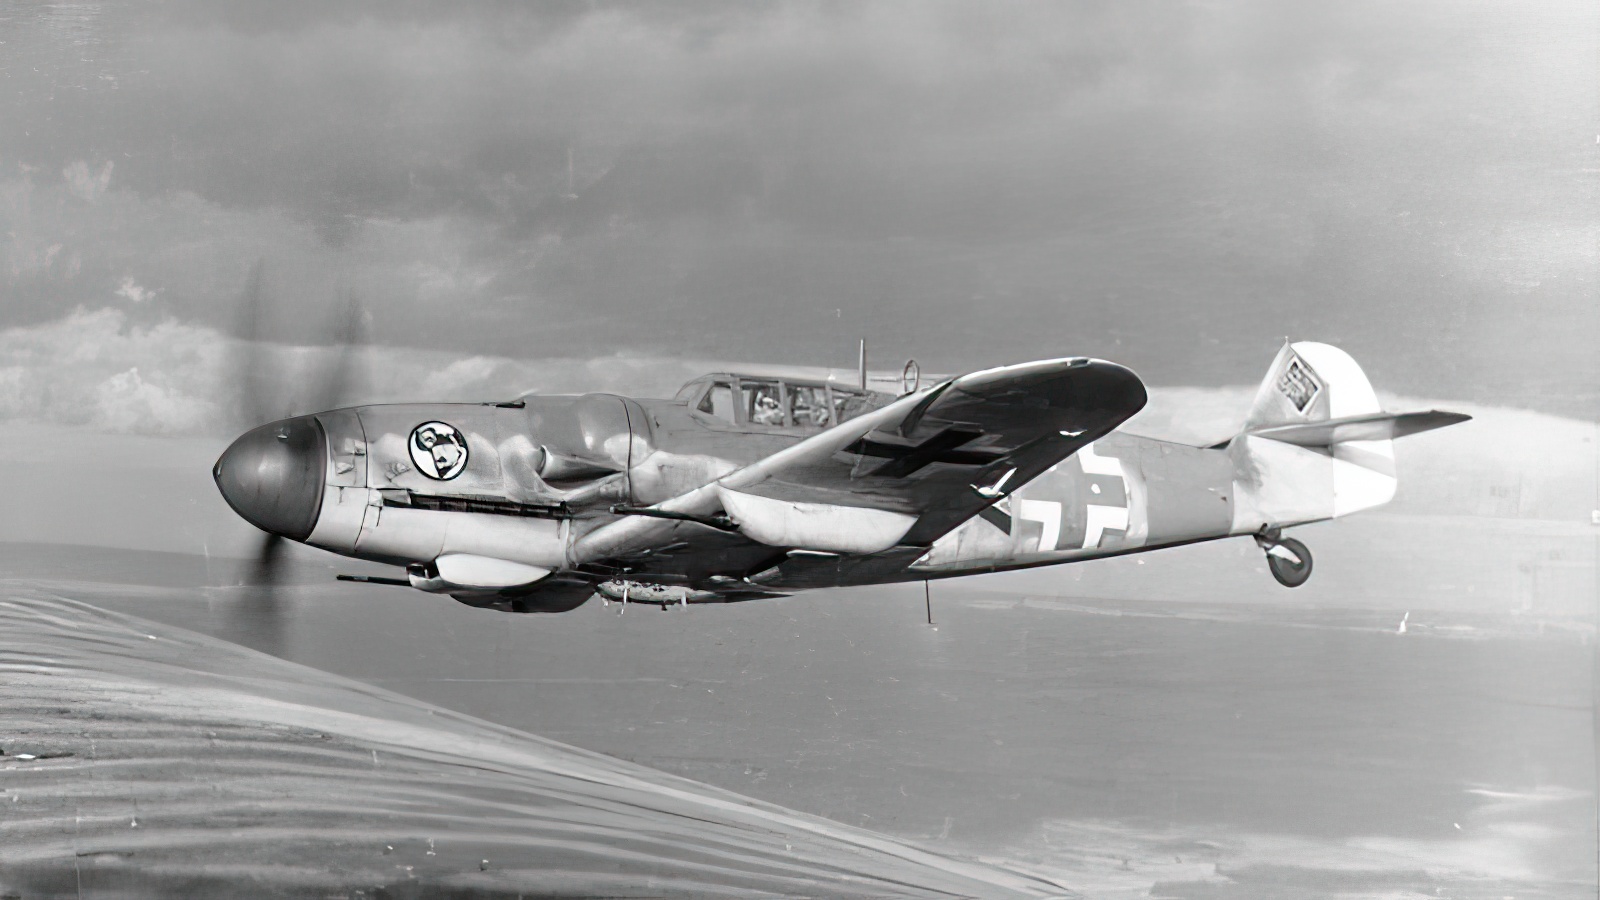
[(534, 482), (1118, 494)]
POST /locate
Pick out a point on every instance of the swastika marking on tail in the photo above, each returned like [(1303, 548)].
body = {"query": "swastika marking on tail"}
[(1299, 384)]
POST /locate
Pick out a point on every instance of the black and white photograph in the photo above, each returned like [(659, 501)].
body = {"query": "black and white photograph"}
[(800, 449)]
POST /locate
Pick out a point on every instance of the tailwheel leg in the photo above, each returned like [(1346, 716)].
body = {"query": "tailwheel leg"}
[(1288, 559)]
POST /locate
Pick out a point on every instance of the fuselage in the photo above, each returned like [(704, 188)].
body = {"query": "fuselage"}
[(532, 476), (556, 495)]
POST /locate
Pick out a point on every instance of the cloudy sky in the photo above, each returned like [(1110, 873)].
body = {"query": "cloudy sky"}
[(1173, 186)]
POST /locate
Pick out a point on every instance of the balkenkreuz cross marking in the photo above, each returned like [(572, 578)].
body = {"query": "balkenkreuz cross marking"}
[(907, 456)]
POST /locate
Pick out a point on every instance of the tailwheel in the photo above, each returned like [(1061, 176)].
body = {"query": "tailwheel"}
[(1288, 559)]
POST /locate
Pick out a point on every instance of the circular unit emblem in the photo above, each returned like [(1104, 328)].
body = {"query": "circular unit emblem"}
[(438, 450)]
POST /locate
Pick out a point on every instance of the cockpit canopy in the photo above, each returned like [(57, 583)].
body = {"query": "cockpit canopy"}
[(760, 402)]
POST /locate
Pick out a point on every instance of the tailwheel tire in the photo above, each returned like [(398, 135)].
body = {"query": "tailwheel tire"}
[(1289, 572)]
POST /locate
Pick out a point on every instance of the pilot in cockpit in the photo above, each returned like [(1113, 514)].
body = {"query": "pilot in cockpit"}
[(808, 406), (766, 410)]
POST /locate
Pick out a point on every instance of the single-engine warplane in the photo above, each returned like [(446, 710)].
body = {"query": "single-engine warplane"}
[(761, 482)]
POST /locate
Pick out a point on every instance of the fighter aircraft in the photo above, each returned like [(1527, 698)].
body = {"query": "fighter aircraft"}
[(758, 482)]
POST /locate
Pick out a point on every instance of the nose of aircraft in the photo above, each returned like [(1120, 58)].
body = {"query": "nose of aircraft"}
[(273, 476)]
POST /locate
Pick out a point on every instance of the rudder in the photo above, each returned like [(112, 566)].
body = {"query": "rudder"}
[(1283, 483)]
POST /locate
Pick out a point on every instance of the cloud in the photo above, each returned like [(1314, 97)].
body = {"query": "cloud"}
[(1177, 187), (127, 403), (131, 291), (94, 369), (87, 185), (918, 108), (102, 370), (105, 369)]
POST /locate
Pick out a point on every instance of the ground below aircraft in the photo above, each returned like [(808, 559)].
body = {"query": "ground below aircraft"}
[(762, 482)]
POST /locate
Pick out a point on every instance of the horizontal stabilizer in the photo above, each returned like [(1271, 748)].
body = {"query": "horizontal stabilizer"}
[(1372, 427)]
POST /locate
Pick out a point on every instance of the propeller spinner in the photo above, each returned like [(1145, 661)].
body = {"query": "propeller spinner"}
[(272, 476)]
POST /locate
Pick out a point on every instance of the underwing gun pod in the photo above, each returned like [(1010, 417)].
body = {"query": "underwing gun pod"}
[(763, 482)]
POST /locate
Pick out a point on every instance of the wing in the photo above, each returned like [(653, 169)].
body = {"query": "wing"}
[(900, 476)]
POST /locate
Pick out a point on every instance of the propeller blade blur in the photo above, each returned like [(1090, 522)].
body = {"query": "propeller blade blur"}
[(259, 616), (249, 360), (259, 373), (341, 379)]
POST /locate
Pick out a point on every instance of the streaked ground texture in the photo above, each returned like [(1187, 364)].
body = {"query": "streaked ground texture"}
[(143, 760)]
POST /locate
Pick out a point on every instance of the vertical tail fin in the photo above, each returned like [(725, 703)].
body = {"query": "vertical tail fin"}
[(1283, 483), (1309, 383), (1316, 444)]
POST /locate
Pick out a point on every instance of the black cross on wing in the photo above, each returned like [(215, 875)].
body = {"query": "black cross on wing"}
[(907, 455)]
